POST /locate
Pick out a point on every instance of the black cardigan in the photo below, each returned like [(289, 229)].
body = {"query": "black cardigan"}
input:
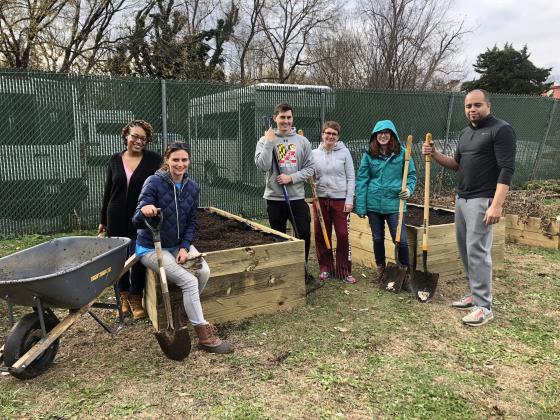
[(119, 202)]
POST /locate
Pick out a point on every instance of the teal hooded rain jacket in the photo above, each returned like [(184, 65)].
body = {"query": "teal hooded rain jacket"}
[(379, 179)]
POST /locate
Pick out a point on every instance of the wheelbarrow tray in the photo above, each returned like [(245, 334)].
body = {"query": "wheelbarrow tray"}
[(66, 272)]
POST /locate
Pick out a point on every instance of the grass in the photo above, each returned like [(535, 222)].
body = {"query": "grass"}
[(351, 352)]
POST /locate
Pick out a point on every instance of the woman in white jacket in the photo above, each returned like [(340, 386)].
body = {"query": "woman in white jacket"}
[(334, 173)]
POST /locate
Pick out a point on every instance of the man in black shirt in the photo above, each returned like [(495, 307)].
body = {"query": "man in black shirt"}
[(484, 162)]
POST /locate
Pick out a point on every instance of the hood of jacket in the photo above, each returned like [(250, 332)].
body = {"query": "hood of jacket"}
[(166, 175), (384, 125), (292, 132), (338, 146)]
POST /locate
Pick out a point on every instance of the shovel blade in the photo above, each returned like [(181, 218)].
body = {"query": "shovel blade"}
[(423, 286), (393, 278), (175, 344)]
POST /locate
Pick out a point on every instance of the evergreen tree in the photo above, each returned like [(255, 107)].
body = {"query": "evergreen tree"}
[(508, 71)]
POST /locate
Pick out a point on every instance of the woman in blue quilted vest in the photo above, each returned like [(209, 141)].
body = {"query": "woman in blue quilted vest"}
[(171, 190)]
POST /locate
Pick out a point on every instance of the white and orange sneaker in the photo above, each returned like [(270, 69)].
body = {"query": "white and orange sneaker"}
[(478, 316), (466, 302)]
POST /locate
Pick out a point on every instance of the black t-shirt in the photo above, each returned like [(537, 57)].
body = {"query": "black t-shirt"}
[(486, 157)]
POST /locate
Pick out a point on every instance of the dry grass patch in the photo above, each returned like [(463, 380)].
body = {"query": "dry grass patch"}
[(354, 351)]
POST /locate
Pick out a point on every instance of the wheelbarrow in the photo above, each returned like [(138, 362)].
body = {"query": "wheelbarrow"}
[(67, 273)]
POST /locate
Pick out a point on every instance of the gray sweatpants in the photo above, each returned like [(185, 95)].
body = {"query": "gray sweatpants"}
[(474, 240), (191, 285)]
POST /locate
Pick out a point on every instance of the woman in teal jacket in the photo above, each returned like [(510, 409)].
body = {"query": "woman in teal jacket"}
[(378, 189)]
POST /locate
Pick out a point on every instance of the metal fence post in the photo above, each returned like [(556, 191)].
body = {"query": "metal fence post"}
[(446, 143), (323, 109), (545, 138), (163, 115)]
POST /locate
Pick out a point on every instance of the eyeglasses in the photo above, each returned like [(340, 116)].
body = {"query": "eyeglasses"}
[(384, 133), (135, 137), (330, 133)]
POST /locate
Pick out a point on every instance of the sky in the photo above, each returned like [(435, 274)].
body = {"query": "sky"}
[(535, 23)]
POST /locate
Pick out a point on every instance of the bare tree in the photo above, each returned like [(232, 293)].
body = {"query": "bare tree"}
[(245, 40), (337, 58), (59, 35), (88, 23), (394, 44), (22, 24), (410, 41), (290, 27)]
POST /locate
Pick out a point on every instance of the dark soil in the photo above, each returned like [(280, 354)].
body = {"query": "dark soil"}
[(537, 199), (216, 233), (415, 216)]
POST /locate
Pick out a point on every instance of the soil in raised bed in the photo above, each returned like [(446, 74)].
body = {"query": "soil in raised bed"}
[(415, 216), (216, 233)]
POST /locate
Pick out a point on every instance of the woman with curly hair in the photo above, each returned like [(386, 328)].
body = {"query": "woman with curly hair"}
[(126, 173)]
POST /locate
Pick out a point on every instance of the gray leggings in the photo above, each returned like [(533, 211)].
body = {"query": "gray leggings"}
[(191, 285)]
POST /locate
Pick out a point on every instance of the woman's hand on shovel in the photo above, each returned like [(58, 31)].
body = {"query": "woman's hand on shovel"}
[(149, 210), (404, 195)]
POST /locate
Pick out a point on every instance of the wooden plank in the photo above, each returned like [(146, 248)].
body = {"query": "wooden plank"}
[(270, 301), (533, 224), (256, 225), (235, 296), (541, 241), (536, 236), (364, 258), (51, 337), (250, 258)]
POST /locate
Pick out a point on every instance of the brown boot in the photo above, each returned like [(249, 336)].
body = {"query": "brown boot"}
[(380, 273), (209, 341), (125, 306), (136, 306)]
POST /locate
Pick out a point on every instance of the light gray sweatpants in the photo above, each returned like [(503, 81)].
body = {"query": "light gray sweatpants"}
[(474, 240), (191, 285)]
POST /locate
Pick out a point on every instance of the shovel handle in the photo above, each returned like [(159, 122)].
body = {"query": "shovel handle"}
[(426, 200), (164, 287), (403, 186), (285, 191), (155, 229), (317, 206)]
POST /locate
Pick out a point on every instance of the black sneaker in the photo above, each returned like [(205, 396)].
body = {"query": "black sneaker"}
[(312, 284)]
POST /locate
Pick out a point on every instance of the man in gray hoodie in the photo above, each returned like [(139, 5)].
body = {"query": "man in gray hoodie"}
[(294, 160)]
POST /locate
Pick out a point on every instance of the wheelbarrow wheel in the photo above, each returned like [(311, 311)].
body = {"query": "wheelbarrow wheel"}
[(24, 335)]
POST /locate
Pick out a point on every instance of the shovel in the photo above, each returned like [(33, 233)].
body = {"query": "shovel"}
[(174, 342), (395, 273), (424, 283)]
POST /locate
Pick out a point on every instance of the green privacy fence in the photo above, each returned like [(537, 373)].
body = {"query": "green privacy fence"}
[(57, 133)]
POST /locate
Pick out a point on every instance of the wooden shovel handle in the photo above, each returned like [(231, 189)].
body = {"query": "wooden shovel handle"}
[(426, 197), (317, 206), (164, 287), (403, 186)]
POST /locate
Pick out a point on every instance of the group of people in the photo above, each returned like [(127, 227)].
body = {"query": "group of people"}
[(484, 161), (141, 184)]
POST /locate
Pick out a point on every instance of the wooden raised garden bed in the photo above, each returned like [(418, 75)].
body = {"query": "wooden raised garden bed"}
[(531, 232), (259, 271), (443, 255)]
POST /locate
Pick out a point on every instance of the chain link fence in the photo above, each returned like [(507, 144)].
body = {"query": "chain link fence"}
[(58, 131)]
